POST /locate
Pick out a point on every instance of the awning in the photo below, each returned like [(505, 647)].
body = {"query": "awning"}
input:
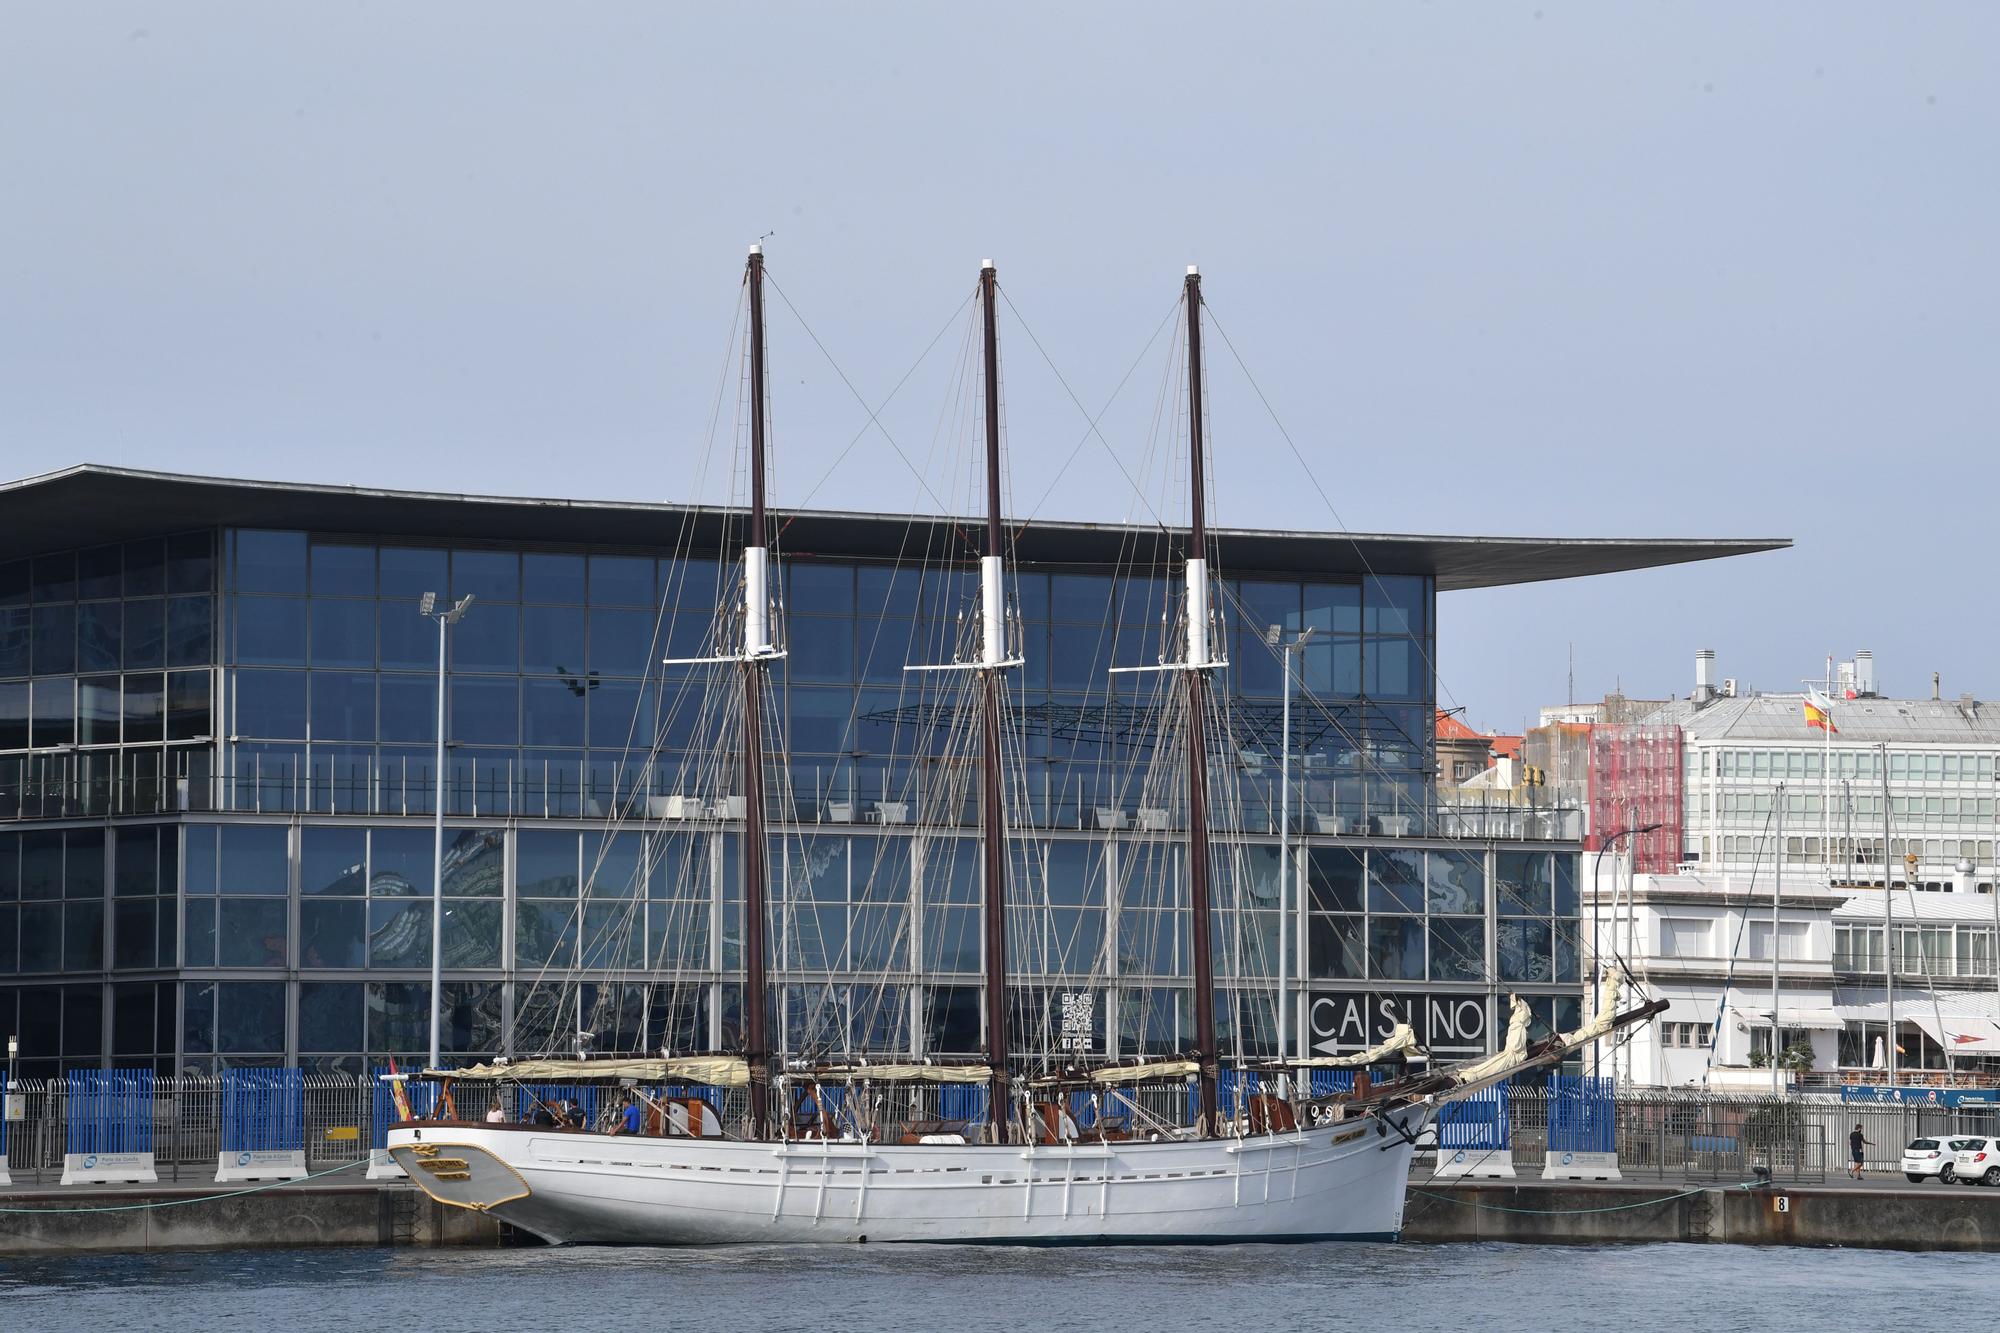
[(1960, 1034), (1813, 1019)]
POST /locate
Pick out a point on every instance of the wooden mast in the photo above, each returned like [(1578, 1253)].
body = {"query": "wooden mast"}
[(993, 655), (1195, 674), (756, 651)]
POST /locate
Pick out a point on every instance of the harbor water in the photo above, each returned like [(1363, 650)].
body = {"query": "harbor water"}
[(1496, 1288)]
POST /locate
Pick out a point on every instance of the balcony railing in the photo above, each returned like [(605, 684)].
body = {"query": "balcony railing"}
[(95, 786)]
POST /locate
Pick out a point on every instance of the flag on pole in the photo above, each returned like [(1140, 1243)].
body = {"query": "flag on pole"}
[(1819, 711)]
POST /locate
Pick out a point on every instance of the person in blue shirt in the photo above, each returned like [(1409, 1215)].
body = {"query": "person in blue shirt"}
[(635, 1118)]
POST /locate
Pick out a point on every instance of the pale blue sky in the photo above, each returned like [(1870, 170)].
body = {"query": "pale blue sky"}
[(1538, 268)]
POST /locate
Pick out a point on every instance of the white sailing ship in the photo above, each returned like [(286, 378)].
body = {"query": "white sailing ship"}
[(827, 1164)]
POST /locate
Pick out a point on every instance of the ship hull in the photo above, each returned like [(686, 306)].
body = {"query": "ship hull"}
[(1341, 1182)]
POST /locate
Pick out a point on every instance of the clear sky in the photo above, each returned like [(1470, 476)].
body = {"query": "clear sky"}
[(1528, 268)]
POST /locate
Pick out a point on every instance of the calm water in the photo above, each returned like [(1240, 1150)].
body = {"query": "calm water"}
[(1497, 1288)]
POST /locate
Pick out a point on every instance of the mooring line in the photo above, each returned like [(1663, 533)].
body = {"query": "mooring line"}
[(204, 1198)]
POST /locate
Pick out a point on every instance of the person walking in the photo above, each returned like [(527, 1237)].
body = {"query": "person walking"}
[(1855, 1143)]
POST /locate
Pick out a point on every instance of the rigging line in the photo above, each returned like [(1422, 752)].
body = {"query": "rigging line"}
[(1092, 427), (944, 511), (1158, 522), (914, 365), (1325, 499)]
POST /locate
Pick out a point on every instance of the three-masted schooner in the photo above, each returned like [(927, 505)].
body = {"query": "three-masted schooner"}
[(1279, 1167)]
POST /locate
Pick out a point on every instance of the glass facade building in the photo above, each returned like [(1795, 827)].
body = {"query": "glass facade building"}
[(217, 720)]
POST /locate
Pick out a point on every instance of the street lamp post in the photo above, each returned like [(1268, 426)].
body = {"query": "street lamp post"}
[(446, 617), (1597, 925), (1274, 637)]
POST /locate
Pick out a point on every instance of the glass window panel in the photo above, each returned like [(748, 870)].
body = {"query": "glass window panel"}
[(188, 711), (1458, 951), (399, 933), (14, 582), (1152, 942), (55, 577), (552, 577), (1333, 608), (472, 929), (552, 639), (41, 937), (136, 862), (251, 1017), (198, 1018), (470, 1017), (491, 576), (1082, 598), (474, 861), (251, 933), (408, 641), (1335, 946), (1395, 881), (823, 650), (145, 634), (1390, 670), (545, 934), (881, 939), (409, 708), (400, 862), (398, 1016), (1524, 883), (552, 712), (269, 561), (1396, 948), (253, 859), (621, 715), (343, 633), (621, 642), (621, 580), (198, 947), (1335, 879), (821, 589), (485, 710), (1395, 604), (55, 640), (132, 1018), (42, 864), (100, 628), (271, 631), (545, 863), (54, 712), (1566, 902), (269, 704), (331, 931), (83, 937), (487, 638), (406, 573), (333, 860), (1075, 874), (614, 935), (14, 715), (343, 706), (190, 565), (692, 583), (611, 865), (888, 590), (330, 1016), (343, 571), (189, 632), (1456, 883), (83, 863), (1525, 950)]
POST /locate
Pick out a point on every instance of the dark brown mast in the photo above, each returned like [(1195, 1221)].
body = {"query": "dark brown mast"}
[(992, 654), (756, 648), (1196, 677)]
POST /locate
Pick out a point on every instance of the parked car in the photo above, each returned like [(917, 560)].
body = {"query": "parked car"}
[(1927, 1158), (1977, 1161)]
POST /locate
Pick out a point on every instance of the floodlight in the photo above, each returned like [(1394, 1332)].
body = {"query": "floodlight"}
[(428, 604), (1272, 633), (459, 609)]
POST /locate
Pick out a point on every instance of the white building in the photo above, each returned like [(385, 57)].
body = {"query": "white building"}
[(1764, 801)]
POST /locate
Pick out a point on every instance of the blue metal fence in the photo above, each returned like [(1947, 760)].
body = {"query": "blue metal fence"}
[(110, 1111), (1480, 1121), (1582, 1114), (423, 1096), (962, 1101), (263, 1110)]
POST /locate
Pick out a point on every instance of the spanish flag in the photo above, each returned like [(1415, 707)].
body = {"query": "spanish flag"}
[(1819, 712)]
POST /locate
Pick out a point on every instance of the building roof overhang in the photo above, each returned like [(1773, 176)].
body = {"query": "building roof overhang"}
[(91, 504)]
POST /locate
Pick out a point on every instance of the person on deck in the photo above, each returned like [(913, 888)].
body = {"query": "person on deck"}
[(1855, 1142), (497, 1115), (545, 1115), (634, 1119)]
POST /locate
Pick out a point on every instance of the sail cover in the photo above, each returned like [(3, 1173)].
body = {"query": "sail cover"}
[(901, 1073), (1141, 1073), (721, 1071)]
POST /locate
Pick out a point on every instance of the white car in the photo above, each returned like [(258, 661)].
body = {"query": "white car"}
[(1977, 1161), (1925, 1158)]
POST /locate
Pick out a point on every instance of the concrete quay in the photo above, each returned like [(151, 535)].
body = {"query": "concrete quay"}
[(1865, 1216), (1874, 1215)]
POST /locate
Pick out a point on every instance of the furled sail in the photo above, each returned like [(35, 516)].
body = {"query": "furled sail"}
[(1155, 1069), (1609, 991), (1402, 1041), (907, 1072), (721, 1071), (1509, 1056)]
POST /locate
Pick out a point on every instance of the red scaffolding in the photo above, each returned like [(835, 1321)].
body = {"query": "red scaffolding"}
[(1635, 781)]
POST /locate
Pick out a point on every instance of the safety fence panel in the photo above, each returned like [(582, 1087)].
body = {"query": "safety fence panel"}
[(263, 1110), (110, 1111), (1481, 1122), (1580, 1115)]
